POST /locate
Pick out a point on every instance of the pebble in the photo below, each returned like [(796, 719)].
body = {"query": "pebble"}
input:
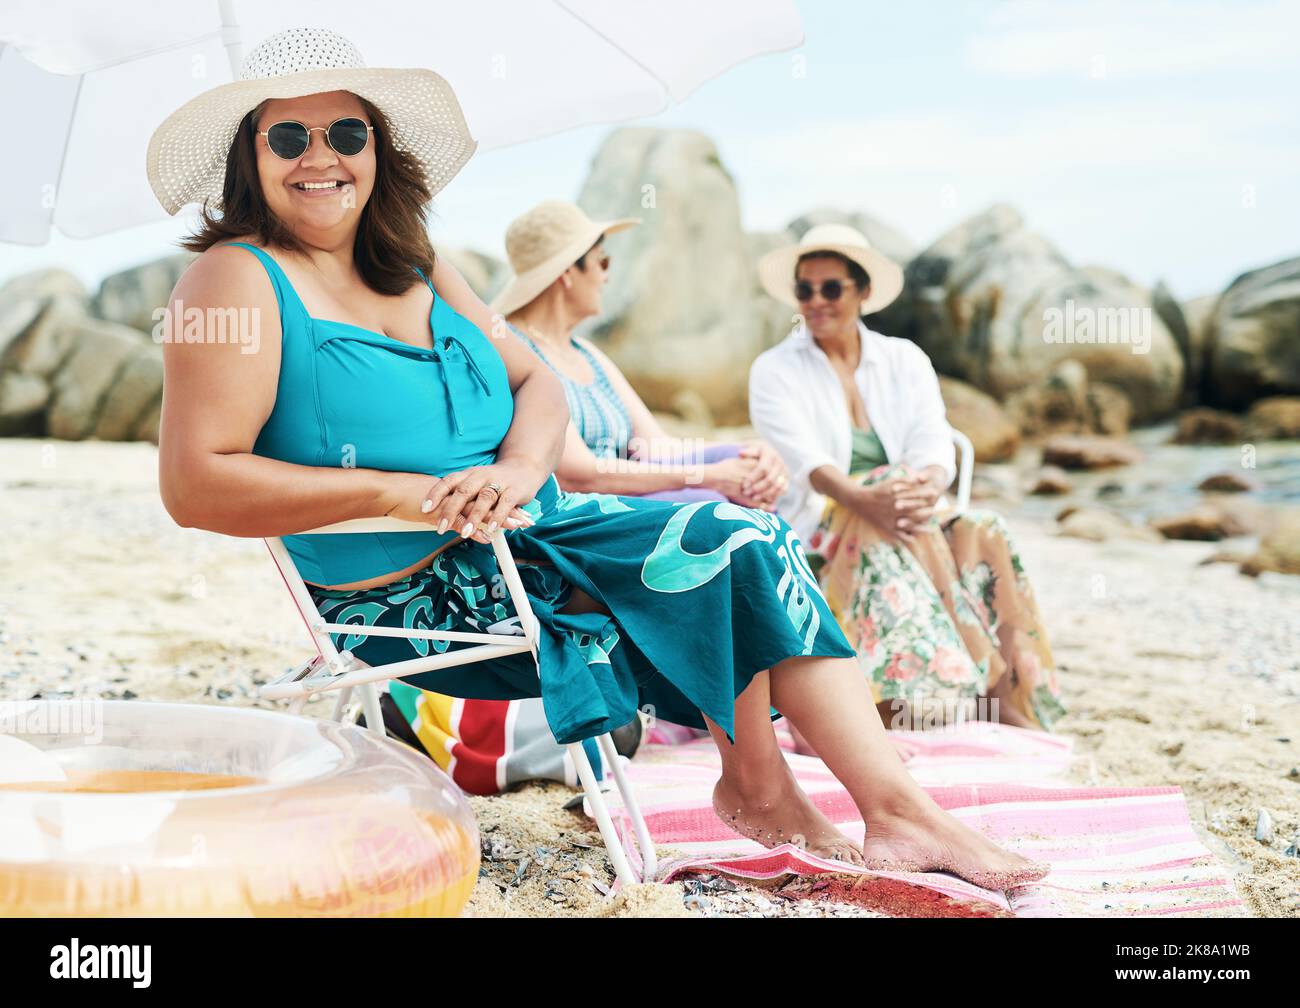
[(1264, 827)]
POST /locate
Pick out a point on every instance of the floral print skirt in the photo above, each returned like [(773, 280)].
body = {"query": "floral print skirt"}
[(941, 621)]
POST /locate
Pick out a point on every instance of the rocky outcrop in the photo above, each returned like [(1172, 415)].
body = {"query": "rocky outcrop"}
[(680, 315), (1171, 314), (1066, 402), (980, 418), (1198, 314), (997, 305), (66, 374), (131, 297), (776, 320), (1254, 337), (86, 392)]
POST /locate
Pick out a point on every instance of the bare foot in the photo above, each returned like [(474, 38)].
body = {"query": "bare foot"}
[(928, 839), (782, 813)]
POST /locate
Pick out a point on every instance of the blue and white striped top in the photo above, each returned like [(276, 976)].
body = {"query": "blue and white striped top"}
[(598, 413)]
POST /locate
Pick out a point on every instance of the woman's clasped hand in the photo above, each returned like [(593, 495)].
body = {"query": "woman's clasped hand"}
[(900, 506), (472, 502)]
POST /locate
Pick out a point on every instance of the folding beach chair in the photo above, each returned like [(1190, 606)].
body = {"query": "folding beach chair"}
[(332, 670), (965, 468)]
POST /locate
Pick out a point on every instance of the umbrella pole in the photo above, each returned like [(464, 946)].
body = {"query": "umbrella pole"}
[(230, 36)]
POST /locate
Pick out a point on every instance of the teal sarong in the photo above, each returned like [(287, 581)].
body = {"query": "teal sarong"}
[(700, 597)]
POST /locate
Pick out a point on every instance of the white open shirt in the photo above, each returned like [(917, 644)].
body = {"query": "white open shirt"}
[(796, 403)]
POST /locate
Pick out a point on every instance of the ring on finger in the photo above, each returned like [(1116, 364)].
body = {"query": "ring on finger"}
[(495, 487)]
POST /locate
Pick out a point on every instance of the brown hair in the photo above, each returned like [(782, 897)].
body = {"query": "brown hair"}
[(391, 238)]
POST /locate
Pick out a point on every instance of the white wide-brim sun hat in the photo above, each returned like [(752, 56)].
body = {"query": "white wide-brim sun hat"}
[(186, 160), (776, 269), (544, 242)]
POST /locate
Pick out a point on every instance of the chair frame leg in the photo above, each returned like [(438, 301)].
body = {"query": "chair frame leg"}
[(370, 704), (613, 846), (645, 845)]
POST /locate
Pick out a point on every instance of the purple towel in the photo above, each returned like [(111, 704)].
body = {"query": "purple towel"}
[(706, 456)]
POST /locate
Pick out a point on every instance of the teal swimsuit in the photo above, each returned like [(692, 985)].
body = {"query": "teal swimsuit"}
[(700, 596), (597, 412), (354, 398)]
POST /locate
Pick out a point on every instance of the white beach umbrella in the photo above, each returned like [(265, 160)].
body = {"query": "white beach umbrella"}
[(84, 84)]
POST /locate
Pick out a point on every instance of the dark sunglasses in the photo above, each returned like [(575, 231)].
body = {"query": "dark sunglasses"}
[(831, 290), (289, 140)]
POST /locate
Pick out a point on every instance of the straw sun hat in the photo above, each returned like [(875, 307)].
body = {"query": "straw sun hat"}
[(544, 242), (776, 269), (186, 161)]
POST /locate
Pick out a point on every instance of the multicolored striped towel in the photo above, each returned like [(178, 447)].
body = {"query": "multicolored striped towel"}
[(1115, 851)]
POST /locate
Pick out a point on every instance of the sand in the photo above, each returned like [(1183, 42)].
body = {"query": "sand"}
[(1174, 673)]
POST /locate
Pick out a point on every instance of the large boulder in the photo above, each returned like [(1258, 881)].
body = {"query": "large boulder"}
[(136, 391), (43, 347), (1198, 315), (22, 404), (679, 313), (980, 418), (132, 296), (1171, 313), (1276, 418), (997, 305), (1066, 402), (1254, 337), (82, 386), (16, 317), (34, 307), (776, 320), (43, 284)]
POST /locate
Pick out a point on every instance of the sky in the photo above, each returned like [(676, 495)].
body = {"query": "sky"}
[(1156, 138)]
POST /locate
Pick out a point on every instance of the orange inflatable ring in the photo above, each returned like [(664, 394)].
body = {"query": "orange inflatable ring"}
[(127, 808)]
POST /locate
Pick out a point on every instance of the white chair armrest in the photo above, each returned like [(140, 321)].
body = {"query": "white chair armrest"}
[(965, 467)]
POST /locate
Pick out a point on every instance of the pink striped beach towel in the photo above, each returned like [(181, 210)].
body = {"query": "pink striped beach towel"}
[(1114, 851)]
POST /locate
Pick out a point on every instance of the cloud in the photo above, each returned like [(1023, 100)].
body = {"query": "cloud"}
[(1030, 39), (1180, 135)]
